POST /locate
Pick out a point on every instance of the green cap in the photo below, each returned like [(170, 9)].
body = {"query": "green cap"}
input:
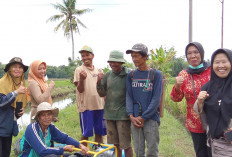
[(86, 48), (116, 56)]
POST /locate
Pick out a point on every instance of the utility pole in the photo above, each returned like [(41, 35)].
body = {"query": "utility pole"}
[(190, 20), (222, 1)]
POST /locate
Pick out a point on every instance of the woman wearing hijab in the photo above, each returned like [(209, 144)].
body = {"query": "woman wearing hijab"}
[(38, 89), (188, 84), (216, 101), (12, 94)]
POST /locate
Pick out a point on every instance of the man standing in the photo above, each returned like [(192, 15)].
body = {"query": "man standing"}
[(144, 90), (113, 86), (89, 104)]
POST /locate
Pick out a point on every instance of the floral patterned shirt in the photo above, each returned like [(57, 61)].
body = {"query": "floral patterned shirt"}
[(193, 122)]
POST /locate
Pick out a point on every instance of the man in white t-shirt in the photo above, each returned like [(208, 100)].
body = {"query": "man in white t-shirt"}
[(89, 104)]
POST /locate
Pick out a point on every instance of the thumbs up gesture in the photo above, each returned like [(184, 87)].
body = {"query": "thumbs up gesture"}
[(21, 89)]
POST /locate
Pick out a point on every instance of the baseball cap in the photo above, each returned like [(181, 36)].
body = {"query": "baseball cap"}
[(141, 48), (86, 48)]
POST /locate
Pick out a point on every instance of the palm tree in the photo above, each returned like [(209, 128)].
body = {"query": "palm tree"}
[(69, 16)]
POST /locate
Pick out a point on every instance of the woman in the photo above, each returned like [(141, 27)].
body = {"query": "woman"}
[(38, 89), (12, 94), (188, 84), (216, 101), (40, 135)]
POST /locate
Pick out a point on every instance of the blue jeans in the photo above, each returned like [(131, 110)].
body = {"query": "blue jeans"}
[(150, 134)]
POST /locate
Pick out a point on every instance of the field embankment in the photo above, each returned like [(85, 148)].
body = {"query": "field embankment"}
[(175, 140)]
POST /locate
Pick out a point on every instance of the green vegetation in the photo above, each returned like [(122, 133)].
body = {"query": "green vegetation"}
[(161, 59), (175, 141), (177, 109), (62, 88), (174, 138)]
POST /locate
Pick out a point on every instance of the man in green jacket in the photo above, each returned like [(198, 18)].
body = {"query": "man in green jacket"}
[(113, 86)]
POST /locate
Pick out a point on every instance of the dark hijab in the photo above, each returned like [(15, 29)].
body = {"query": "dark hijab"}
[(219, 116), (202, 52)]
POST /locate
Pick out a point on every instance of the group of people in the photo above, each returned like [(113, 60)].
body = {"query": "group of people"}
[(121, 104), (123, 101), (206, 89), (40, 135)]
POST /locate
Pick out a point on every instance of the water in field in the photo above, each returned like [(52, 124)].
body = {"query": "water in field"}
[(60, 103)]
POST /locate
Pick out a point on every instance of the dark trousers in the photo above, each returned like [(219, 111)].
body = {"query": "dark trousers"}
[(200, 144), (5, 146)]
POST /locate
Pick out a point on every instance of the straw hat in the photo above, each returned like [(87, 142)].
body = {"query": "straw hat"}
[(45, 106)]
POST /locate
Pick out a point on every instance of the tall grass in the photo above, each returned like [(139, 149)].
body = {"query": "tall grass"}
[(178, 109)]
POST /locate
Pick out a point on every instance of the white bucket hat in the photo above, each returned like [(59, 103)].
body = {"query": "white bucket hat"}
[(45, 106)]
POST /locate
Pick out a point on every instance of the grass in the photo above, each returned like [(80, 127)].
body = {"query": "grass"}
[(178, 109), (174, 138), (62, 88), (62, 83)]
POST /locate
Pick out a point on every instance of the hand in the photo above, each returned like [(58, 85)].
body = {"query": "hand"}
[(202, 96), (179, 82), (84, 149), (21, 113), (83, 75), (99, 77), (69, 148), (141, 120), (21, 89), (136, 121), (200, 99), (52, 84)]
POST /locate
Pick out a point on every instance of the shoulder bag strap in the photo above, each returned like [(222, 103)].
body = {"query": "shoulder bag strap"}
[(194, 91)]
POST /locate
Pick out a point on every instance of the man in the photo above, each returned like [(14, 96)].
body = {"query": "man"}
[(113, 86), (144, 90), (89, 104), (40, 136)]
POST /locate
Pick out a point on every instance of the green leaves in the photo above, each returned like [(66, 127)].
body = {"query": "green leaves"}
[(161, 60), (69, 19)]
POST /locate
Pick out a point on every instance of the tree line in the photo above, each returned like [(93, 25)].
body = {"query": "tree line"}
[(176, 64), (62, 71)]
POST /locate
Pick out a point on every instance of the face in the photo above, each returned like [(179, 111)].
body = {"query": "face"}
[(221, 65), (193, 56), (41, 70), (16, 70), (87, 58), (116, 66), (138, 59), (45, 118)]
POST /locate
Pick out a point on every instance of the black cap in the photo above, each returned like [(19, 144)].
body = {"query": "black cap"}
[(15, 60)]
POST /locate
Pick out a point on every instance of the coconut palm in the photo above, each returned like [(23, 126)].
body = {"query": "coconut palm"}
[(69, 19)]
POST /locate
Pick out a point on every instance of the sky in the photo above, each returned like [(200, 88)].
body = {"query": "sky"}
[(112, 25)]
